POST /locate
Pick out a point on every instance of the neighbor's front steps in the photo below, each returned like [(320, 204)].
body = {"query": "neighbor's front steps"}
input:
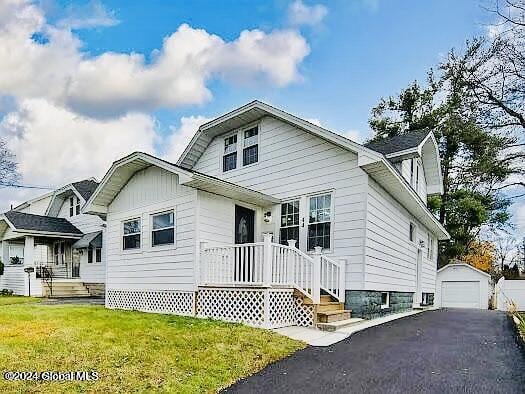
[(66, 288)]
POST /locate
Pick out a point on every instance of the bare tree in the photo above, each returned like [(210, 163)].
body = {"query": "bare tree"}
[(8, 166), (504, 248)]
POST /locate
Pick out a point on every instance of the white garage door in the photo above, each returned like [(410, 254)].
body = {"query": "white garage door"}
[(460, 295)]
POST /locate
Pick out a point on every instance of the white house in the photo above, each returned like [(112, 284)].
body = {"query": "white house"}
[(57, 242), (271, 220)]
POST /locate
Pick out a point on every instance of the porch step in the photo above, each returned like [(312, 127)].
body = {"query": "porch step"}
[(333, 316), (330, 306), (65, 289), (308, 301), (334, 326)]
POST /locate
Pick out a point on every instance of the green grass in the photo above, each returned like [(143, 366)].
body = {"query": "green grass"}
[(11, 300), (521, 325), (132, 351)]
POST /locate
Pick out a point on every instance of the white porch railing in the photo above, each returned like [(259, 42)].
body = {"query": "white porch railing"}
[(269, 264)]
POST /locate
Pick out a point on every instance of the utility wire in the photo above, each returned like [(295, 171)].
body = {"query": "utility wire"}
[(14, 185)]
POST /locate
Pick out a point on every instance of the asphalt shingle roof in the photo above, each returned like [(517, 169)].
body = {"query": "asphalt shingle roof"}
[(398, 143), (86, 188), (27, 221)]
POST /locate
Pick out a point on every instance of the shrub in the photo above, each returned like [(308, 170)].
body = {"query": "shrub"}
[(6, 292)]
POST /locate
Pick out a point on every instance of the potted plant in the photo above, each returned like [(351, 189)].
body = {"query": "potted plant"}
[(15, 260)]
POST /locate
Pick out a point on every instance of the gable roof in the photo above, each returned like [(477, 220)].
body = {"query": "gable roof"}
[(27, 222), (85, 188), (399, 143), (452, 265), (122, 170)]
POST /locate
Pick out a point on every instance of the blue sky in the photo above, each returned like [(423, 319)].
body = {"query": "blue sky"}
[(83, 83), (361, 51)]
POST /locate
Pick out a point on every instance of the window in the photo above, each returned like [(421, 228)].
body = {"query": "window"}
[(16, 254), (411, 233), (74, 206), (229, 160), (429, 247), (250, 153), (411, 172), (319, 221), (90, 255), (385, 300), (98, 255), (289, 222), (131, 237), (417, 177), (163, 229), (424, 299)]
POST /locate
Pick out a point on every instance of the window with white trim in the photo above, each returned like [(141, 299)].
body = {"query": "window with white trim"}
[(163, 229), (131, 234), (74, 206), (16, 254), (416, 187), (412, 172), (429, 246), (94, 255), (229, 158), (250, 153), (412, 232), (289, 222), (385, 300), (319, 221)]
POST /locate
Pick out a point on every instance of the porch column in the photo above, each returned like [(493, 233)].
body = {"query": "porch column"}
[(267, 262), (29, 259), (342, 280), (316, 275), (29, 250)]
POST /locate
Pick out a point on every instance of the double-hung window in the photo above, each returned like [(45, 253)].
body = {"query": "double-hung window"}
[(229, 159), (250, 153), (163, 229), (289, 222), (131, 234), (319, 221), (74, 206), (94, 254), (16, 254)]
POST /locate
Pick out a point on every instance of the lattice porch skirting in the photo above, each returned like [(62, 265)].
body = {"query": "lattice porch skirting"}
[(176, 302), (258, 307)]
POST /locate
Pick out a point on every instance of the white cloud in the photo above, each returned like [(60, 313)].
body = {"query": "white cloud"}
[(519, 219), (54, 145), (302, 14), (90, 15), (181, 136), (112, 84)]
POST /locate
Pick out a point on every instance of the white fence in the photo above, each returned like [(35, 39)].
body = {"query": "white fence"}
[(506, 291), (268, 264)]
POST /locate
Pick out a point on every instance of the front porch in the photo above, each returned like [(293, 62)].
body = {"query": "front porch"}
[(270, 285)]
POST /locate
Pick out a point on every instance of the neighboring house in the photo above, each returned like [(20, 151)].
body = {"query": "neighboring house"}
[(273, 221), (50, 235)]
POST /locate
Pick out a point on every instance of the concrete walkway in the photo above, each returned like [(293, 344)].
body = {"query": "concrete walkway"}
[(443, 351), (73, 301), (315, 337)]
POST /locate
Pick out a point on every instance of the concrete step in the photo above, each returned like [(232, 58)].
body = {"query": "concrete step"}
[(330, 306), (333, 316), (334, 326)]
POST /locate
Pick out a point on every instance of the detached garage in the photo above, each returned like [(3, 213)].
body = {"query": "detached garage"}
[(462, 286)]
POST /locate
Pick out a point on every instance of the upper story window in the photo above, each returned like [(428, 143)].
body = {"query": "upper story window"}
[(319, 222), (229, 159), (417, 178), (412, 232), (289, 222), (74, 206), (163, 229), (430, 247), (131, 234), (411, 172), (250, 153)]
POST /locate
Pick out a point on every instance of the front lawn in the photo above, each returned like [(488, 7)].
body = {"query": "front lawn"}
[(10, 300), (132, 351)]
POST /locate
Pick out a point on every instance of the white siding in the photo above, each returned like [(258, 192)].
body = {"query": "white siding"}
[(151, 191), (14, 278), (462, 275), (37, 207), (404, 168), (390, 255), (95, 272), (216, 217), (293, 163)]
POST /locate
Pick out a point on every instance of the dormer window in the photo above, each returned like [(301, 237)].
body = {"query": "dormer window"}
[(74, 206), (229, 159), (250, 152)]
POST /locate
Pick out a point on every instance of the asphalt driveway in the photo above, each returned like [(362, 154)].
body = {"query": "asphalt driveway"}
[(445, 351)]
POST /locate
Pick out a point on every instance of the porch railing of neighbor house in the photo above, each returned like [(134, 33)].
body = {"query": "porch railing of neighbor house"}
[(68, 270), (269, 264)]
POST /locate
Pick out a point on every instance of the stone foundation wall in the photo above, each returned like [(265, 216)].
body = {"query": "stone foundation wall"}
[(367, 303)]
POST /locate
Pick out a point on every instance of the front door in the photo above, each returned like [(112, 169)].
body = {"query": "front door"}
[(244, 233)]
